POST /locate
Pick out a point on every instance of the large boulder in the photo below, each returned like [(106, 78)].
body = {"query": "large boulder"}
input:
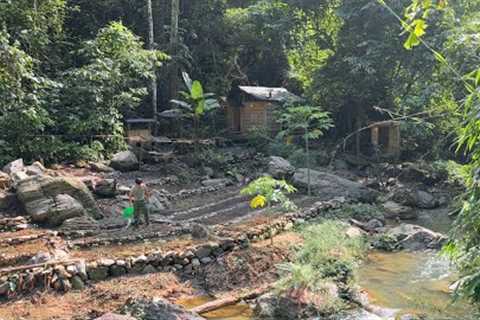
[(125, 161), (328, 186), (53, 200), (394, 210), (297, 303), (279, 168), (55, 210), (413, 237), (106, 188), (35, 169), (413, 198), (157, 309), (426, 200), (14, 166), (8, 200)]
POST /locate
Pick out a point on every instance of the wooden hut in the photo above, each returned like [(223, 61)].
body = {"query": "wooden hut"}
[(250, 107), (139, 130), (385, 136)]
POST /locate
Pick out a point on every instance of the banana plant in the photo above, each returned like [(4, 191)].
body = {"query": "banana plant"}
[(194, 105)]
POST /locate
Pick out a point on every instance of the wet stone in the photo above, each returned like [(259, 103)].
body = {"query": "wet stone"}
[(77, 283), (149, 269), (117, 270), (195, 263), (98, 273), (206, 260)]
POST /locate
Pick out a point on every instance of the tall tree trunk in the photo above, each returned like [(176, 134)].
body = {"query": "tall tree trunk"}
[(358, 126), (151, 41), (174, 41), (307, 149)]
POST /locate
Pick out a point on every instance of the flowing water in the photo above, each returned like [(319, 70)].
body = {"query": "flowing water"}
[(412, 282), (415, 282)]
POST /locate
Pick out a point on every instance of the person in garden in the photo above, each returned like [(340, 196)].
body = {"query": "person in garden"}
[(138, 197)]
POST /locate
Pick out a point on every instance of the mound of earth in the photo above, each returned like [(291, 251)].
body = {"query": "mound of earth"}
[(251, 267)]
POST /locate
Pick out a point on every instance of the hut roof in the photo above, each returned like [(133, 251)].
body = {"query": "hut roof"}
[(270, 94)]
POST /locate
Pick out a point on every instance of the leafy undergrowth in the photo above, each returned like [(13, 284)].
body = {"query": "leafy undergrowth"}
[(326, 260)]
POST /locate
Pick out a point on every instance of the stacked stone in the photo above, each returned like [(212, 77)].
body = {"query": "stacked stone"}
[(75, 275), (183, 194), (13, 224)]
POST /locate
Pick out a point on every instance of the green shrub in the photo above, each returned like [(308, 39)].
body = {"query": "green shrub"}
[(259, 139), (385, 242), (327, 253), (453, 172)]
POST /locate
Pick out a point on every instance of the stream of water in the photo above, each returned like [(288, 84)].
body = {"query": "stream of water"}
[(412, 282), (415, 282), (240, 311)]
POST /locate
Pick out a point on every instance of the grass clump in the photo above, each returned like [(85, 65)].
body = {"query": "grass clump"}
[(326, 261)]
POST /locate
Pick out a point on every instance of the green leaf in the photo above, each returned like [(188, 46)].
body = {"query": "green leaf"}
[(211, 104), (187, 80), (200, 109), (427, 4), (440, 58), (181, 104), (412, 41), (420, 26), (197, 90)]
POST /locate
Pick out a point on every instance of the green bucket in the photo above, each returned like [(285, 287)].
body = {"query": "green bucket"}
[(128, 212)]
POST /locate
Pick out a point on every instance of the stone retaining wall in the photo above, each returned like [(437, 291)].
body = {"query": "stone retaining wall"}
[(76, 274)]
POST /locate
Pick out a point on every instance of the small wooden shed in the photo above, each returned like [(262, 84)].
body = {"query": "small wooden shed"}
[(386, 136), (139, 130), (250, 107)]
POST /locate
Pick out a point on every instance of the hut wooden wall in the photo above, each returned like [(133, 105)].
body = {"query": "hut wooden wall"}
[(256, 114), (253, 114)]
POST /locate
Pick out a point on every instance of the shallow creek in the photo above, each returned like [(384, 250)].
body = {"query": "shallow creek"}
[(415, 282), (240, 311), (411, 282)]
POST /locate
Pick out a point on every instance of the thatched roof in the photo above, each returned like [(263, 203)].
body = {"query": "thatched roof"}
[(270, 94)]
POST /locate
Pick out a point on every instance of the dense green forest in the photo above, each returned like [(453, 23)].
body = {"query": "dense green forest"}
[(71, 72), (72, 69)]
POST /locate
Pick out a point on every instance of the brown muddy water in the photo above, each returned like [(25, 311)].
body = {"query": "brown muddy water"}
[(414, 282), (411, 282), (241, 311)]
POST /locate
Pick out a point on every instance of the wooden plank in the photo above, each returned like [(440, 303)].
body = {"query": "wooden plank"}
[(230, 300)]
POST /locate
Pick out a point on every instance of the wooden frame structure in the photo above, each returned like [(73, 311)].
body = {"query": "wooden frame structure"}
[(385, 135), (250, 107)]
